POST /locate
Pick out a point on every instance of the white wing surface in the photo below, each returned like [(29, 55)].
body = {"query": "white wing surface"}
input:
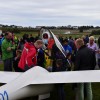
[(38, 75), (6, 77)]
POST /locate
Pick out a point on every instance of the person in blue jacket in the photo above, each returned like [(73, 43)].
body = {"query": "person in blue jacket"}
[(67, 47)]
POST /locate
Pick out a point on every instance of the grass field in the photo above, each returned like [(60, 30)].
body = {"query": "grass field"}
[(74, 34)]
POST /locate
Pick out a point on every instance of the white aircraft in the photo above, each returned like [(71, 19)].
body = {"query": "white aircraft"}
[(21, 85), (38, 81)]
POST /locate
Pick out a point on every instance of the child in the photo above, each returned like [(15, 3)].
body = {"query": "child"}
[(59, 65), (60, 87), (16, 61)]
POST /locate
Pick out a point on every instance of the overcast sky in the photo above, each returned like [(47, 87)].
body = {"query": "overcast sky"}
[(50, 12)]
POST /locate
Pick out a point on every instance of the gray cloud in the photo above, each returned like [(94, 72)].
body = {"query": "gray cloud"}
[(49, 12)]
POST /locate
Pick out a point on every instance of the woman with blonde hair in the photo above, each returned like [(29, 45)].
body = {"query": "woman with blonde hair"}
[(92, 44)]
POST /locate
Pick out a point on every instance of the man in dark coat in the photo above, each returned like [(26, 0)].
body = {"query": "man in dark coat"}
[(85, 60)]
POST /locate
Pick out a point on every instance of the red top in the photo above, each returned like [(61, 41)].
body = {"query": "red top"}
[(28, 56), (50, 43)]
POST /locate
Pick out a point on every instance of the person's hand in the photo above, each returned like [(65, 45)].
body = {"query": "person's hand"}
[(97, 51)]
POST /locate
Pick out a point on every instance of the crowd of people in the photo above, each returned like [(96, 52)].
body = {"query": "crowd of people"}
[(82, 53)]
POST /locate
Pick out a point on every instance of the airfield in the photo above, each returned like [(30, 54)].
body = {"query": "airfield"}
[(70, 93)]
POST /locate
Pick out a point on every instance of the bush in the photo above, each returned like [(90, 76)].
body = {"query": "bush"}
[(95, 32)]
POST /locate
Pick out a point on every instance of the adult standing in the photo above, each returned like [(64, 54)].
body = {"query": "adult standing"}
[(99, 52), (7, 51), (1, 39), (50, 44), (99, 42), (0, 43), (92, 44), (94, 47), (85, 60)]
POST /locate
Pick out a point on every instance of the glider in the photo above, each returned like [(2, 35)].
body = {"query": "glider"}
[(38, 81)]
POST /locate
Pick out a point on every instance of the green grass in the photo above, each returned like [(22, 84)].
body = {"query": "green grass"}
[(1, 66), (70, 94), (75, 34)]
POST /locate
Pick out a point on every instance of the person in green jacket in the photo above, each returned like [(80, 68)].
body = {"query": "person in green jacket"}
[(7, 51)]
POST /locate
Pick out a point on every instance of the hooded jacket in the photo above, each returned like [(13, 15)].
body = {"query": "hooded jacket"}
[(28, 56)]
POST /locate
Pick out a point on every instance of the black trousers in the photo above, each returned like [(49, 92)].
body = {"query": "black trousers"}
[(8, 64), (99, 62)]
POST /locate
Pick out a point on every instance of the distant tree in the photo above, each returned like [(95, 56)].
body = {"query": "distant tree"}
[(81, 29), (16, 30), (95, 32)]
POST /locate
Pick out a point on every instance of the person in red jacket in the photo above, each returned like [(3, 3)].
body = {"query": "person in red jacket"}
[(50, 44), (29, 55)]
